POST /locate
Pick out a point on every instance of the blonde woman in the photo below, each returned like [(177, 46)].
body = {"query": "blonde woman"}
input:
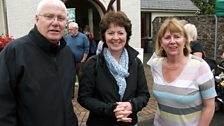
[(183, 83), (196, 48)]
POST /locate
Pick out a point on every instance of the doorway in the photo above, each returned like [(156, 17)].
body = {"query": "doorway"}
[(87, 14)]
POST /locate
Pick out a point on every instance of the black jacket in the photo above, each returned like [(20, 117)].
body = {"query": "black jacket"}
[(98, 91), (197, 47), (36, 83)]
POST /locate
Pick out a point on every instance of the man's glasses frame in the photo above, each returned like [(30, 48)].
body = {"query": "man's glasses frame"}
[(52, 17)]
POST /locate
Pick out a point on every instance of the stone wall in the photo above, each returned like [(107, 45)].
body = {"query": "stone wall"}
[(206, 26)]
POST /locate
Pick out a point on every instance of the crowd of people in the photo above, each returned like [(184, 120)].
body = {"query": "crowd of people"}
[(38, 72)]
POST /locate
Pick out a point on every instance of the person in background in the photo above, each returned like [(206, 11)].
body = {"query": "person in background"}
[(221, 49), (183, 83), (92, 42), (220, 64), (196, 48), (79, 44), (222, 55), (37, 73), (113, 86), (184, 22)]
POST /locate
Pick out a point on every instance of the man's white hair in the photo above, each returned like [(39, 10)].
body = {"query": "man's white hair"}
[(44, 2), (73, 25)]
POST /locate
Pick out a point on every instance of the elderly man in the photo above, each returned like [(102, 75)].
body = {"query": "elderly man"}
[(37, 73), (79, 44)]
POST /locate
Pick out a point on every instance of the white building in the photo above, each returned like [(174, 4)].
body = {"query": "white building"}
[(17, 18)]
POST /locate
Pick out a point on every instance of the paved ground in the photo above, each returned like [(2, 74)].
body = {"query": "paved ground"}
[(218, 119), (145, 116)]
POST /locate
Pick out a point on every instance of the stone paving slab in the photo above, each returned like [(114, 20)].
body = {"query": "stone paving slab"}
[(147, 113)]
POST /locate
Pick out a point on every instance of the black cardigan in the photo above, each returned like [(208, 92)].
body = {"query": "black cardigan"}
[(98, 91)]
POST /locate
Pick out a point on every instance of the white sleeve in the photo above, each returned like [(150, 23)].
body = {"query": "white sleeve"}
[(152, 58), (99, 47)]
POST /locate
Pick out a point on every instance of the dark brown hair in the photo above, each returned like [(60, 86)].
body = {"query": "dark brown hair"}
[(118, 18)]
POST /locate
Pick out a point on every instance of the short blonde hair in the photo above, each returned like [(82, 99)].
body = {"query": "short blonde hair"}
[(184, 22), (173, 25), (191, 32)]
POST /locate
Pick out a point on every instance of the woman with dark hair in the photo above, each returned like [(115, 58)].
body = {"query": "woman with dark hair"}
[(113, 86)]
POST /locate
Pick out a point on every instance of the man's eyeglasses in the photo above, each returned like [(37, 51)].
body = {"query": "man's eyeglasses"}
[(52, 17)]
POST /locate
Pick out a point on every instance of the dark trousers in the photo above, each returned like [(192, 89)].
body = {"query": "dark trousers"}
[(79, 67)]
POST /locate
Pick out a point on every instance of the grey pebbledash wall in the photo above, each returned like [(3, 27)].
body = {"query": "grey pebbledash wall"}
[(206, 32)]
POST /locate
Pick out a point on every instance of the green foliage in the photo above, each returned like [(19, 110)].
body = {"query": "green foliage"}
[(206, 8)]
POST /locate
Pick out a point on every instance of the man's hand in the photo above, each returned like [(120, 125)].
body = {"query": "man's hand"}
[(83, 61)]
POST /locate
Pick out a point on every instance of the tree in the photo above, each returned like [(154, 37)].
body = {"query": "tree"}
[(206, 7)]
